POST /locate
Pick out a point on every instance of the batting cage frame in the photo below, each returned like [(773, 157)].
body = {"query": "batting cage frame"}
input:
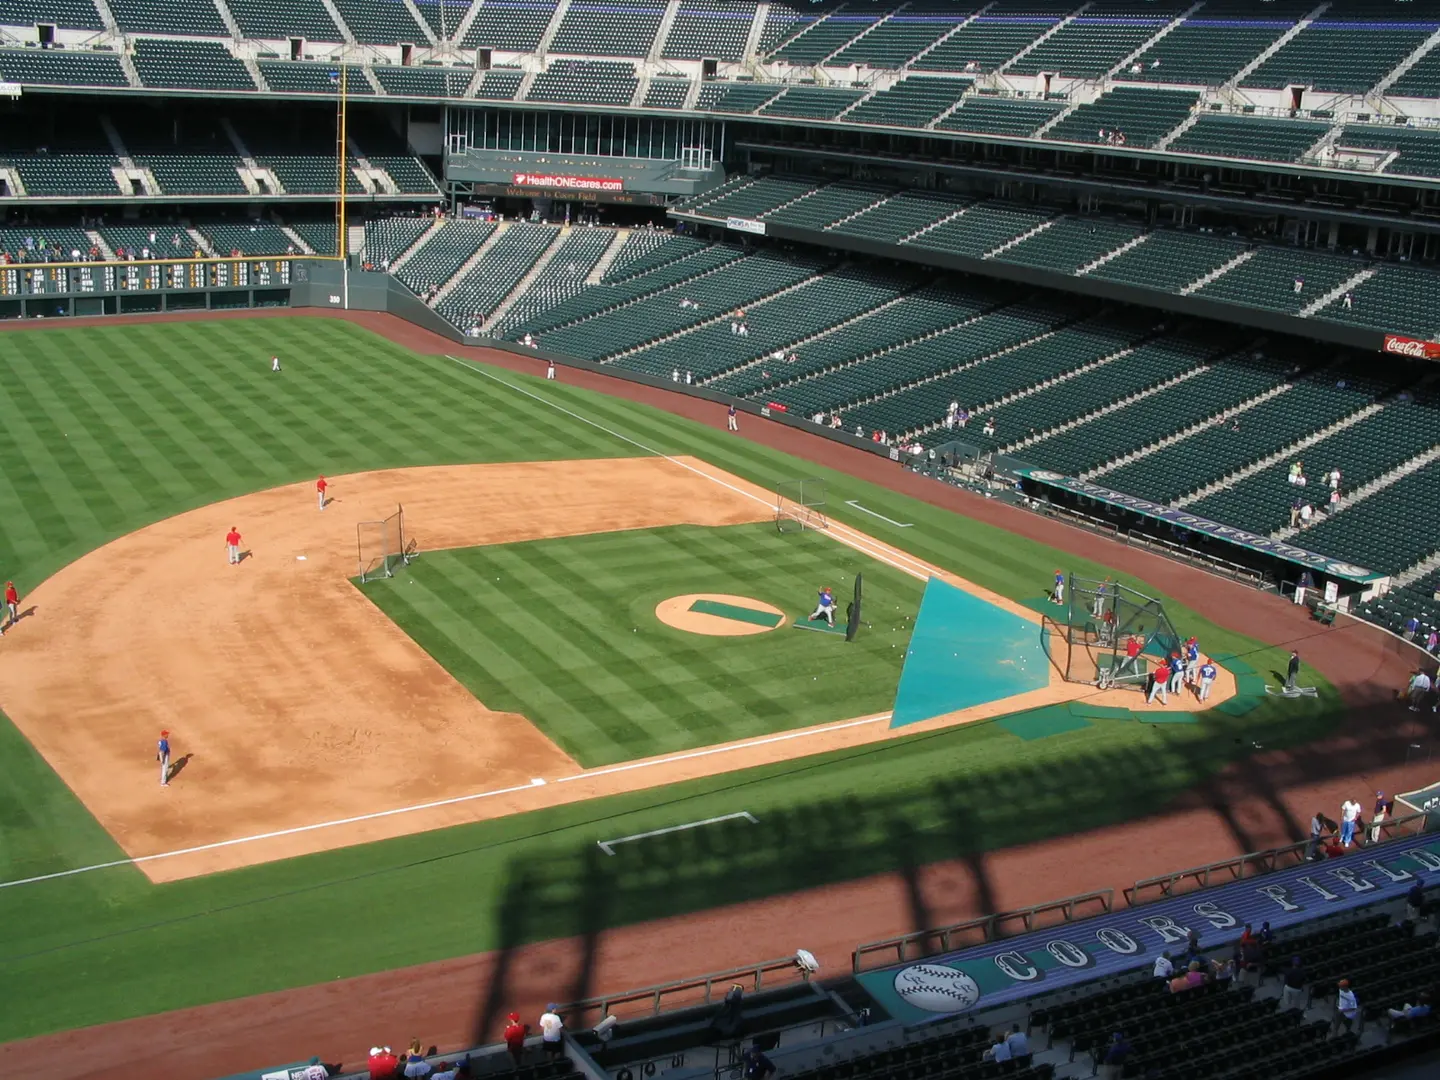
[(800, 504), (380, 546), (1088, 635)]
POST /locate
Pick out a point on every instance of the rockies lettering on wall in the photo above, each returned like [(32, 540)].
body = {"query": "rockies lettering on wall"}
[(1079, 952)]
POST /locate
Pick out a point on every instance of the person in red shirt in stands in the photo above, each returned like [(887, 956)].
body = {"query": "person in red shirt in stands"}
[(384, 1065), (515, 1033)]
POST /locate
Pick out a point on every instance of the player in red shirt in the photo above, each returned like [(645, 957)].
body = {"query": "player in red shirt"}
[(232, 545), (320, 486), (1160, 679), (12, 604)]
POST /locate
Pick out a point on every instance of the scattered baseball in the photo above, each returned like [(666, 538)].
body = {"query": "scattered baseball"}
[(936, 988)]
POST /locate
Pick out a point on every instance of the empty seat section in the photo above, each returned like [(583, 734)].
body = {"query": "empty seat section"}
[(1269, 279), (666, 94), (901, 215), (789, 19), (826, 36), (169, 17), (736, 97), (774, 326), (925, 312), (308, 174), (302, 78), (753, 200), (980, 229), (1402, 299), (34, 68), (1249, 137), (1227, 383), (409, 173), (1204, 52), (197, 65), (1000, 116), (195, 174), (294, 18), (1139, 116), (387, 239), (1087, 46), (444, 252), (1169, 260), (812, 102), (827, 205), (1148, 366), (1219, 450), (1421, 80), (738, 284), (903, 36), (443, 16), (1366, 533), (161, 240), (250, 238), (499, 85), (912, 102), (1345, 51), (505, 262), (71, 14), (430, 82), (1419, 148), (985, 43), (510, 25), (609, 27), (709, 30), (585, 82), (1362, 452), (319, 235), (560, 279), (381, 22), (1069, 244), (65, 174), (648, 249)]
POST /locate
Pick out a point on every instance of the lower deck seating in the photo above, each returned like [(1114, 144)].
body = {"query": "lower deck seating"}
[(562, 277), (251, 238), (388, 238)]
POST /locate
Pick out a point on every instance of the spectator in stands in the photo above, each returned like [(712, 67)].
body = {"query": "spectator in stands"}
[(1292, 991), (1333, 848), (1417, 1011), (1349, 816), (383, 1063), (990, 426), (1306, 513), (1019, 1045), (1349, 300), (415, 1063), (552, 1031), (1299, 284), (1347, 1006), (1383, 808), (515, 1033), (757, 1065), (1317, 831), (1191, 978), (1252, 954), (999, 1049), (675, 375), (1295, 511), (318, 1070), (452, 1070), (1419, 689), (1112, 1064), (1432, 642), (1412, 625), (1415, 900)]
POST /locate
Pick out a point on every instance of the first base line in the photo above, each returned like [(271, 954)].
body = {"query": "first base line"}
[(608, 846), (882, 517)]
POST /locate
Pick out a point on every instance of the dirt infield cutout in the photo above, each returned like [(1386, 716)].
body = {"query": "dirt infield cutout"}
[(719, 615)]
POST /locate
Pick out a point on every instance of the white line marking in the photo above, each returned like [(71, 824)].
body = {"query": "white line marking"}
[(137, 860), (843, 534), (608, 846), (882, 517)]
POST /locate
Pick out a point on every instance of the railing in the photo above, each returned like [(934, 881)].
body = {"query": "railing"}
[(975, 931), (1253, 864), (683, 994)]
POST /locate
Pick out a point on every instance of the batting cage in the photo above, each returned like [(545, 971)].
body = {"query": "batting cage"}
[(800, 504), (1089, 635), (382, 546)]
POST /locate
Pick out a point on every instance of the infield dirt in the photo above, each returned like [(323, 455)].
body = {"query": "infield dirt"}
[(301, 718)]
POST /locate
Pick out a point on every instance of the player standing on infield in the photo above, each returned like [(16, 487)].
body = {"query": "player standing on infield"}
[(12, 605), (232, 545), (162, 755), (320, 486)]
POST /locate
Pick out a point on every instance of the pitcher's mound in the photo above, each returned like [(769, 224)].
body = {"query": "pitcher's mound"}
[(719, 614)]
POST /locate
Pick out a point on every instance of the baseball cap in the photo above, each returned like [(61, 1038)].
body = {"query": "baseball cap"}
[(551, 1007), (513, 1016), (374, 1050), (164, 734)]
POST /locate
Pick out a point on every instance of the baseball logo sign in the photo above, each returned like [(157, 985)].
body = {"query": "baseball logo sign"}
[(936, 988)]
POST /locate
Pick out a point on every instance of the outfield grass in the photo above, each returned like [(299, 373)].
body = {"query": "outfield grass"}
[(111, 428), (564, 631)]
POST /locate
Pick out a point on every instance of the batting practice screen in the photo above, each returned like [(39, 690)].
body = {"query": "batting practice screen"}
[(1087, 635), (381, 545), (800, 504)]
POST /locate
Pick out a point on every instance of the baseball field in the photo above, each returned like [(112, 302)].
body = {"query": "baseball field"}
[(374, 775)]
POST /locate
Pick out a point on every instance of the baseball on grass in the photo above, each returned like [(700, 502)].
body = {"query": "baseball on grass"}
[(936, 988)]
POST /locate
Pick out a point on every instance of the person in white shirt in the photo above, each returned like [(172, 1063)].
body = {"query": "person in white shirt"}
[(275, 363), (552, 1031), (1419, 687), (1349, 815), (1000, 1051), (1347, 1007), (675, 375), (1163, 968)]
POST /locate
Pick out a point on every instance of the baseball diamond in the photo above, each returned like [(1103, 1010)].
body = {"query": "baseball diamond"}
[(507, 699)]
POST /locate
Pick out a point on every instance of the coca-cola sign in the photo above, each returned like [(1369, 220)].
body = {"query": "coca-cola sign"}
[(1409, 346)]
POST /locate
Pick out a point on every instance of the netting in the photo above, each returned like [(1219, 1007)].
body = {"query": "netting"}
[(800, 504), (1088, 637)]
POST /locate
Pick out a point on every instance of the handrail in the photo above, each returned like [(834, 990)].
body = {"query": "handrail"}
[(990, 927), (1249, 865), (751, 976)]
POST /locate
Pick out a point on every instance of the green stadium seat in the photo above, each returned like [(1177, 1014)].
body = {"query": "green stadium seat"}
[(609, 28), (34, 67), (980, 229), (381, 22), (267, 20), (562, 278), (709, 30), (736, 97), (191, 17), (286, 77), (1168, 260), (585, 82), (167, 64), (812, 102), (666, 94), (1000, 116), (901, 215), (388, 238), (70, 14), (424, 81), (479, 292), (1249, 137), (509, 25), (1142, 116), (912, 102), (498, 85)]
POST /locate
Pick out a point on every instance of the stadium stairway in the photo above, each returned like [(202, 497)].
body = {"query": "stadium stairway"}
[(449, 284), (1224, 268), (602, 266), (1364, 491), (1280, 456), (420, 241), (523, 285)]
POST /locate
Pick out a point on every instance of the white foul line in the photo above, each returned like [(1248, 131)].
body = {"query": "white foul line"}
[(608, 846), (882, 517), (841, 533), (534, 783)]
